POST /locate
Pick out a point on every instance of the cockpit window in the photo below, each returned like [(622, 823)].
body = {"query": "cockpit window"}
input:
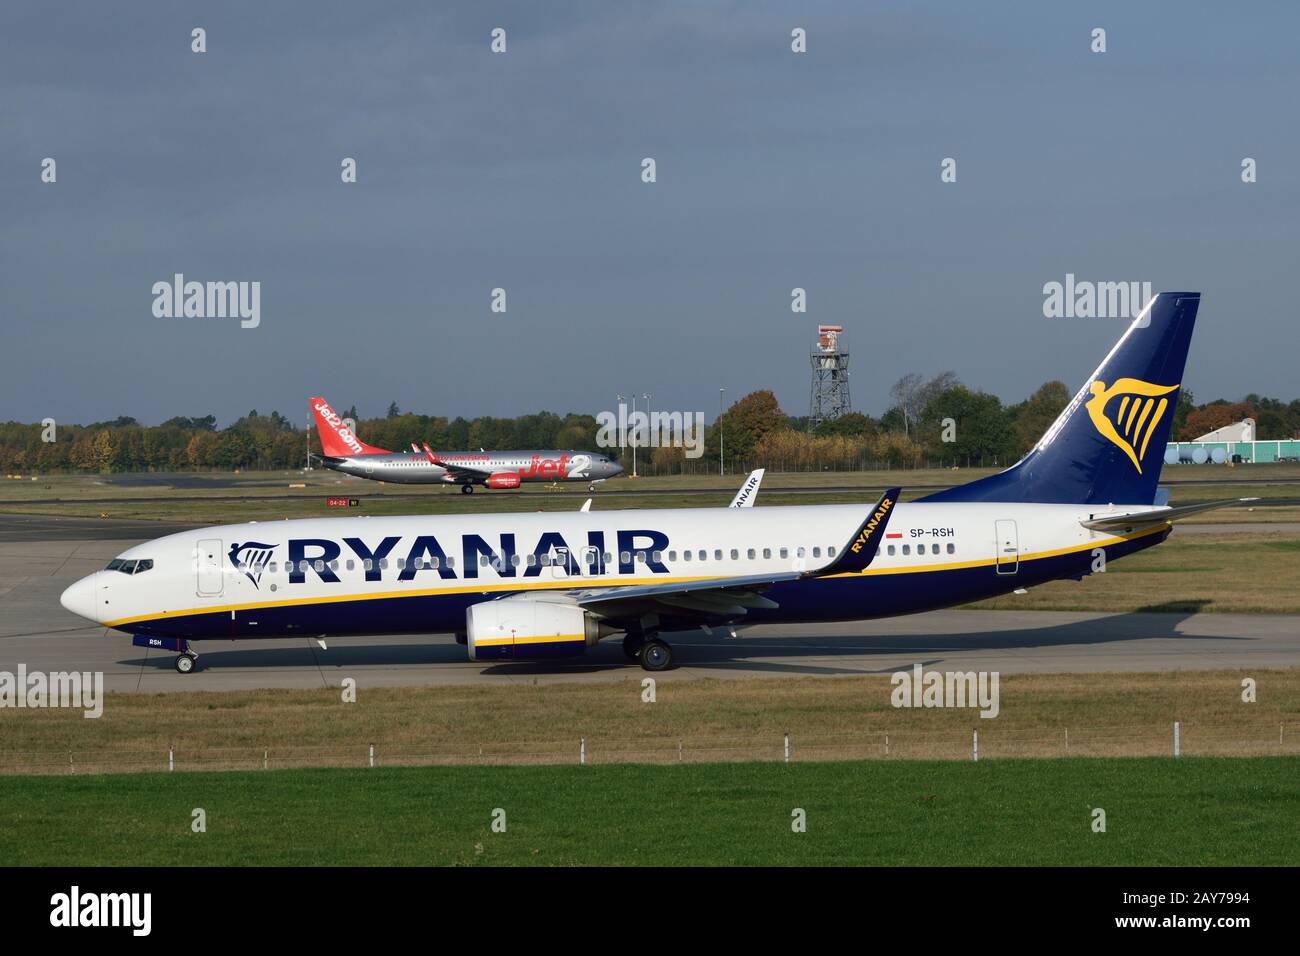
[(130, 567)]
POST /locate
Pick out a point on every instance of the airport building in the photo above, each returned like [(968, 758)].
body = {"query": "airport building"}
[(1235, 442)]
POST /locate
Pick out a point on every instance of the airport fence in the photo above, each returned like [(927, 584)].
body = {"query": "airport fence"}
[(978, 743)]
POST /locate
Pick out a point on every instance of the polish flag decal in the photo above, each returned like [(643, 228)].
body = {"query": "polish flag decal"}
[(893, 534)]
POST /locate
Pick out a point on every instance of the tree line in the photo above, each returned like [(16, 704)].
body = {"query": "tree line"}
[(936, 422)]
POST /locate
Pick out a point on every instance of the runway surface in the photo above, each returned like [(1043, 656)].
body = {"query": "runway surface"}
[(36, 631)]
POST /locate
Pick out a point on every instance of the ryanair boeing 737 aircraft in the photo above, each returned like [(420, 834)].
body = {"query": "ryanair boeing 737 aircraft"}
[(533, 586)]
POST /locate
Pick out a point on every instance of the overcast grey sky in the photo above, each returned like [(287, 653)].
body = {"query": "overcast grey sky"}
[(522, 171)]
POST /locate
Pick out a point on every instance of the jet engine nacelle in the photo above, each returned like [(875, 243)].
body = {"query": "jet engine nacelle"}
[(520, 629), (504, 479)]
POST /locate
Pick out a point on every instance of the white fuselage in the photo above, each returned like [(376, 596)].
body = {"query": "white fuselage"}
[(364, 575)]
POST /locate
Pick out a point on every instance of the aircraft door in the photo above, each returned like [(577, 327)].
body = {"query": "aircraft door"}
[(207, 562), (1007, 542), (560, 563)]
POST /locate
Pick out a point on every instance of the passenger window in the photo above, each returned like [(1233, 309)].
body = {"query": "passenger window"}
[(608, 557), (817, 552), (800, 553), (624, 557), (320, 565), (686, 555), (717, 554), (514, 561), (672, 555), (433, 562), (351, 564), (532, 560), (891, 550), (907, 549), (656, 556), (830, 552), (271, 567), (750, 554), (735, 555), (483, 561), (934, 549), (951, 549), (401, 564), (785, 553), (334, 565), (704, 555), (767, 552), (383, 564), (368, 564)]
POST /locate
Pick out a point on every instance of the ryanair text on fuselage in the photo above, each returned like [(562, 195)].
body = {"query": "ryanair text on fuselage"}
[(426, 553)]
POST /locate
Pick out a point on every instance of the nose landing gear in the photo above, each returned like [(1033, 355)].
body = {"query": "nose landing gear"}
[(466, 489), (187, 660)]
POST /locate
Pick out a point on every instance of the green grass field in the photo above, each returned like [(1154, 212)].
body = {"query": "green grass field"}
[(739, 719), (1202, 811)]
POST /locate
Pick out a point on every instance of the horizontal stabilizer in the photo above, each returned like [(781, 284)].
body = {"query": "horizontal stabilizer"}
[(1145, 519)]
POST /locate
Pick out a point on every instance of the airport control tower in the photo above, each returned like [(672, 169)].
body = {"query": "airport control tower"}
[(830, 376)]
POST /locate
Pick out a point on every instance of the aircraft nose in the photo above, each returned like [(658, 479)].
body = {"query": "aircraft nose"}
[(79, 598), (615, 469)]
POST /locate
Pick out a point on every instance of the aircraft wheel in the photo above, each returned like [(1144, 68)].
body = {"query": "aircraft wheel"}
[(466, 489), (185, 663), (656, 656), (632, 645)]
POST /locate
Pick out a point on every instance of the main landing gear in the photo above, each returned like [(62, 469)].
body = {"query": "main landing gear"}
[(186, 660), (654, 654), (466, 489)]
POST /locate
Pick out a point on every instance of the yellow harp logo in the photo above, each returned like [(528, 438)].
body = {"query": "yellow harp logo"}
[(1135, 418)]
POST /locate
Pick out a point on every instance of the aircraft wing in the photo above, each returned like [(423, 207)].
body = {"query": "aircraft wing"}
[(1145, 519), (733, 597), (457, 470), (748, 491)]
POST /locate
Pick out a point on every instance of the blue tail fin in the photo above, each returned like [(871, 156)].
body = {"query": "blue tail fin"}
[(1109, 443)]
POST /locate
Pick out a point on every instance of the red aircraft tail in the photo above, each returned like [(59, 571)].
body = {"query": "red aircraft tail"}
[(336, 439)]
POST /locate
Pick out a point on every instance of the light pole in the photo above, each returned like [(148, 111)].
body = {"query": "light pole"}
[(631, 439), (647, 396), (722, 448), (622, 432)]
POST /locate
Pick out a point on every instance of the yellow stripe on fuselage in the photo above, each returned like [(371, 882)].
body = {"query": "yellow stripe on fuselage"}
[(542, 639), (568, 584)]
